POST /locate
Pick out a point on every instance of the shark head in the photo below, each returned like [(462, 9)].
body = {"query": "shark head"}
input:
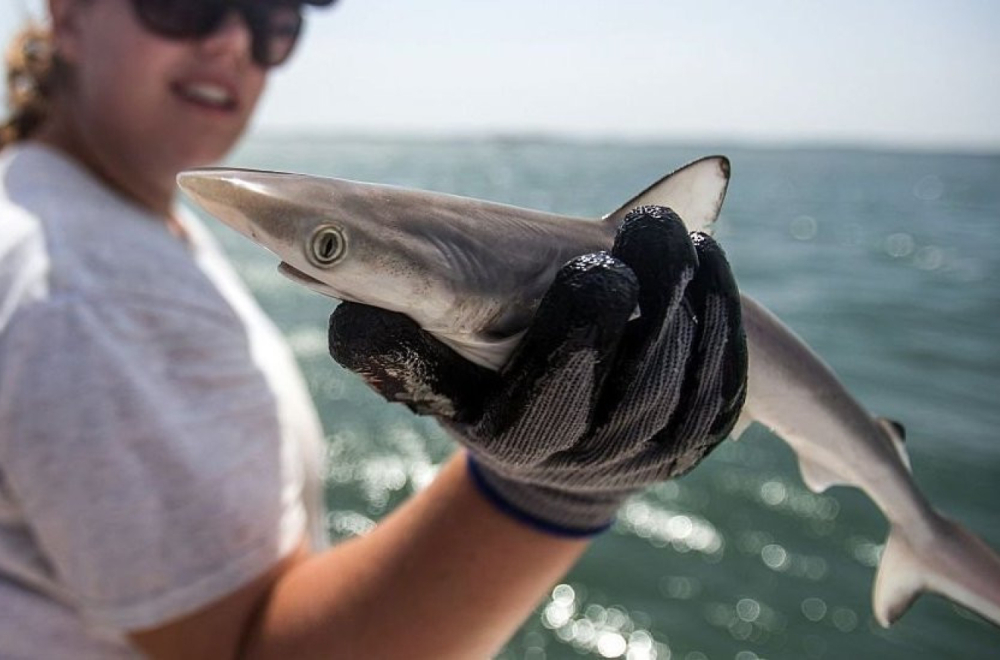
[(341, 238)]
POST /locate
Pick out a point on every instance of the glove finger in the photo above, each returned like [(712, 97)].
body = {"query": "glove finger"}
[(713, 387), (586, 307), (715, 384), (405, 364), (654, 243), (643, 388), (552, 380)]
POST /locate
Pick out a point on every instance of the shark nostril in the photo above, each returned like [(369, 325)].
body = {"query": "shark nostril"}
[(326, 246)]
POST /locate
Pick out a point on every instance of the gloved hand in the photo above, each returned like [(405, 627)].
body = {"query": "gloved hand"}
[(591, 406)]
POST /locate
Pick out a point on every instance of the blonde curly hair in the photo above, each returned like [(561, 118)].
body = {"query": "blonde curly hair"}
[(31, 72)]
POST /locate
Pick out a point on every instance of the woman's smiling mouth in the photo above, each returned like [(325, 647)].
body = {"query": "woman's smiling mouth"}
[(206, 94)]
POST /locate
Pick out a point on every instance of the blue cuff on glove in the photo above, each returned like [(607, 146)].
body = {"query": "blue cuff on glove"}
[(490, 493)]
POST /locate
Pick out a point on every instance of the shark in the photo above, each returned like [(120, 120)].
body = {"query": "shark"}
[(472, 272)]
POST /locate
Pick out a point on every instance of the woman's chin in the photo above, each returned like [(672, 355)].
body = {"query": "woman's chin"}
[(202, 155)]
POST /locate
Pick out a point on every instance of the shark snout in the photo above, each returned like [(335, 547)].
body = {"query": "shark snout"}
[(225, 194), (292, 215)]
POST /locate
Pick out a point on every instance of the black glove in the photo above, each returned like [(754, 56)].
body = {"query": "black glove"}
[(591, 406)]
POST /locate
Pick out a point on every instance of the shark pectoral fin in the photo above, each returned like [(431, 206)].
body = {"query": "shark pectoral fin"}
[(695, 192), (897, 436), (899, 581), (816, 477), (491, 354)]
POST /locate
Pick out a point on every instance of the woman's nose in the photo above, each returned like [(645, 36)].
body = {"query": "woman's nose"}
[(233, 36)]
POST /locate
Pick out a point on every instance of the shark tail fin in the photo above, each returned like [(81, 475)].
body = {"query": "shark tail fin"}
[(951, 561), (695, 192)]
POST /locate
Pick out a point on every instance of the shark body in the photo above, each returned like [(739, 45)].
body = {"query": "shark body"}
[(472, 273)]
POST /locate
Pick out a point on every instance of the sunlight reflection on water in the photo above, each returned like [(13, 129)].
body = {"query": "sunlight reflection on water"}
[(609, 632)]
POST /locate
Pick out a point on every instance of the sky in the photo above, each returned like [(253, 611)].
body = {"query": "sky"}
[(906, 73)]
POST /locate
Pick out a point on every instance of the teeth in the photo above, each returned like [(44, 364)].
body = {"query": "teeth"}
[(208, 93)]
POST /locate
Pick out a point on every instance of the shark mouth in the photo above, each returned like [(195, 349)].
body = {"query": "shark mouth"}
[(308, 281)]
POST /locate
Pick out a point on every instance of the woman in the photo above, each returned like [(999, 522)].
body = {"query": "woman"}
[(157, 482)]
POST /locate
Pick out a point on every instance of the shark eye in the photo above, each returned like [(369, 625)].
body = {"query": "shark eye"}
[(326, 246)]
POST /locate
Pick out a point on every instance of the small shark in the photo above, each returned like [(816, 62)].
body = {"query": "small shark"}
[(472, 273)]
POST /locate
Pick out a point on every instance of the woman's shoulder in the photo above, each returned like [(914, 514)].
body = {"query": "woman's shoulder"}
[(88, 242), (30, 169), (24, 259)]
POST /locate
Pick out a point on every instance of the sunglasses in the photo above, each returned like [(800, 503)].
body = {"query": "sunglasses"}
[(274, 24)]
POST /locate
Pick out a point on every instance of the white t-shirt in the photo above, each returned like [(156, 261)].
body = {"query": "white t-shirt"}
[(158, 447)]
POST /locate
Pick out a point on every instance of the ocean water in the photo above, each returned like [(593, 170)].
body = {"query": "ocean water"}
[(887, 264)]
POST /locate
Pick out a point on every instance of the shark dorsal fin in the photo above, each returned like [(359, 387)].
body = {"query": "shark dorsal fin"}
[(695, 192)]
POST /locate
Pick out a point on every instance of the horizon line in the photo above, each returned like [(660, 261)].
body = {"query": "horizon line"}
[(956, 148)]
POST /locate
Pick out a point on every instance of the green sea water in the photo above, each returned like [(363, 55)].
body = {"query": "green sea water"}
[(887, 264)]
